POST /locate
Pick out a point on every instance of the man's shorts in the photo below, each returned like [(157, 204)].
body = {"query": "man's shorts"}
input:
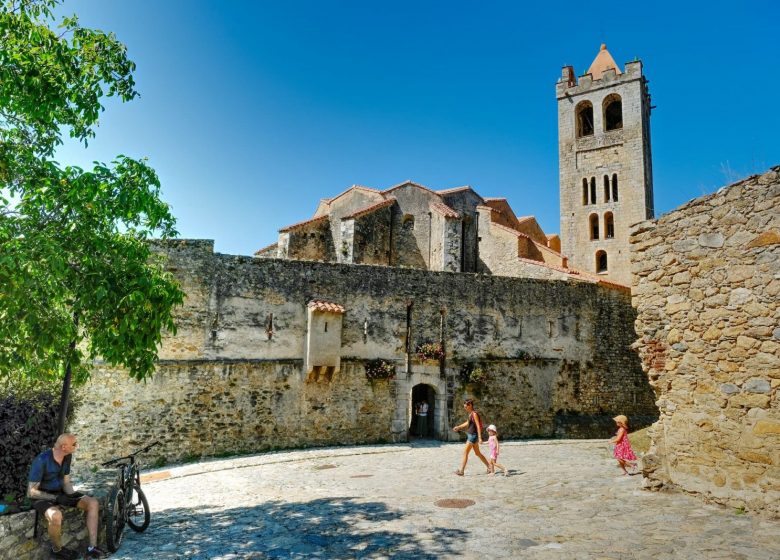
[(42, 505)]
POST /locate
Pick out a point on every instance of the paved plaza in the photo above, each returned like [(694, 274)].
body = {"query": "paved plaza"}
[(563, 500)]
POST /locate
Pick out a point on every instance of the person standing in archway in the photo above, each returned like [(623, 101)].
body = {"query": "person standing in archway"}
[(422, 419), (473, 427)]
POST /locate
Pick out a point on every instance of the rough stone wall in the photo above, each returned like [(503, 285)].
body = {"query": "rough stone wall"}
[(499, 248), (531, 228), (310, 242), (623, 152), (413, 245), (232, 379), (213, 408), (344, 205), (451, 245), (372, 237), (465, 202), (445, 246), (706, 290)]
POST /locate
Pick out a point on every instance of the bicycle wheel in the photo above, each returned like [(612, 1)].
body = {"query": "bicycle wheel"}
[(115, 519), (138, 514)]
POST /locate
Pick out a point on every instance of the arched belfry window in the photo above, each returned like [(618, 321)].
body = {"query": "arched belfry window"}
[(593, 190), (584, 191), (606, 188), (613, 112), (594, 226), (601, 261), (584, 119), (609, 226), (614, 187)]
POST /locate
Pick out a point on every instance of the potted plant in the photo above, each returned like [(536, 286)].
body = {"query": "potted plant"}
[(430, 351), (379, 369), (474, 377)]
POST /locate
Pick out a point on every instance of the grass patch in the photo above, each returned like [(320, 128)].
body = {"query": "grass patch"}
[(640, 441)]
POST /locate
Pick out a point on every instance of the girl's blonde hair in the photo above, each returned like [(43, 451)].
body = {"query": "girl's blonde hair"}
[(621, 420)]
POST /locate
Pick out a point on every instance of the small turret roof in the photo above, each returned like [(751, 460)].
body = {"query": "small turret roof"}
[(602, 62)]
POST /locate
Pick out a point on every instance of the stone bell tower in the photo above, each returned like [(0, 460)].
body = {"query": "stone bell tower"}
[(606, 172)]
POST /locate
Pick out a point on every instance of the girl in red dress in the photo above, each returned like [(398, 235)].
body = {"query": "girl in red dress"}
[(623, 452)]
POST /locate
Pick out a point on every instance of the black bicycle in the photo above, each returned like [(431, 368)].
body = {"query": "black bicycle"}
[(127, 503)]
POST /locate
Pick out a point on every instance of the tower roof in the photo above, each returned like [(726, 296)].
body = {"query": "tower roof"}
[(602, 62)]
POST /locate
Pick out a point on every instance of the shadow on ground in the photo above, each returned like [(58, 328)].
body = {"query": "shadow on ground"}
[(326, 528)]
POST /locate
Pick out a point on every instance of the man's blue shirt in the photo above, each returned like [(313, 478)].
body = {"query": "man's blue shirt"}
[(45, 470)]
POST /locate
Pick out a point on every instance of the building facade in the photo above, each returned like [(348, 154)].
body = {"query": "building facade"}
[(606, 175)]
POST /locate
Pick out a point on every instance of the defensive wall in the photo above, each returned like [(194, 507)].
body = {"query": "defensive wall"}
[(707, 280), (271, 353)]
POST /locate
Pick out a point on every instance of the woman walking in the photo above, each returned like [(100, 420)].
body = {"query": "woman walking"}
[(473, 427)]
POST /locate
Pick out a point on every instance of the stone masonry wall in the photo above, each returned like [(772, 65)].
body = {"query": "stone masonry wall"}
[(232, 379), (707, 280)]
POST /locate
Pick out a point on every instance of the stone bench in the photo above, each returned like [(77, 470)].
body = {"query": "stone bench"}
[(17, 541)]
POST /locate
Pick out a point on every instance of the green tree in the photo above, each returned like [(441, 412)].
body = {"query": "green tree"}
[(77, 278)]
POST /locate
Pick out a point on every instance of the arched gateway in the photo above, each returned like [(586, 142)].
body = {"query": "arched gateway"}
[(424, 382)]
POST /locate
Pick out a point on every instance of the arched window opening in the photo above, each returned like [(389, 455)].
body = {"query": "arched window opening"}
[(584, 192), (601, 261), (594, 226), (609, 226), (614, 187), (408, 222), (584, 118), (593, 190), (606, 188), (613, 112)]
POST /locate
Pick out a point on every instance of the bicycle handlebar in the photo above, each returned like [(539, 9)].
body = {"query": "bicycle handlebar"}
[(130, 457)]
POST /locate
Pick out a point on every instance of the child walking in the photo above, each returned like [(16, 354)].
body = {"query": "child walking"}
[(494, 448), (623, 452)]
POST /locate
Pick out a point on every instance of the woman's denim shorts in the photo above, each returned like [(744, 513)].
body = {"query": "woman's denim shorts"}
[(471, 438)]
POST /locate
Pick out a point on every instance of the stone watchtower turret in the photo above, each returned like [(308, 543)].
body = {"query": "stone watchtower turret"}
[(606, 173)]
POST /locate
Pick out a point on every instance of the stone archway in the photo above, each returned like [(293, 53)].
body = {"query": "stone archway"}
[(420, 393), (423, 380)]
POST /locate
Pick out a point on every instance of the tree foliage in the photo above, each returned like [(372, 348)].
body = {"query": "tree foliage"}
[(77, 278)]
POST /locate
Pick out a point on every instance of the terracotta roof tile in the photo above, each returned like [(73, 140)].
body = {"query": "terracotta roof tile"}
[(586, 276), (444, 210), (266, 248), (304, 223), (368, 209), (546, 248), (601, 63), (509, 229), (570, 271), (456, 189), (492, 198), (327, 306), (412, 183), (352, 188)]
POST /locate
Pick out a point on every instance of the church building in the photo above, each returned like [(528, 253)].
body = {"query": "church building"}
[(605, 187)]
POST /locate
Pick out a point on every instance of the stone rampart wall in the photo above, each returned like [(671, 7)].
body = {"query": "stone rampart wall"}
[(232, 379), (707, 281)]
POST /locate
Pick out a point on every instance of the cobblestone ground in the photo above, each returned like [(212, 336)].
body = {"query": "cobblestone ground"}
[(562, 500)]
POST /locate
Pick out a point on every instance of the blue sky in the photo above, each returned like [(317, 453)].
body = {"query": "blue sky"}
[(251, 111)]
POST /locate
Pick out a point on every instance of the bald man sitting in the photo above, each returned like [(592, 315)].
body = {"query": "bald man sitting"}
[(51, 489)]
